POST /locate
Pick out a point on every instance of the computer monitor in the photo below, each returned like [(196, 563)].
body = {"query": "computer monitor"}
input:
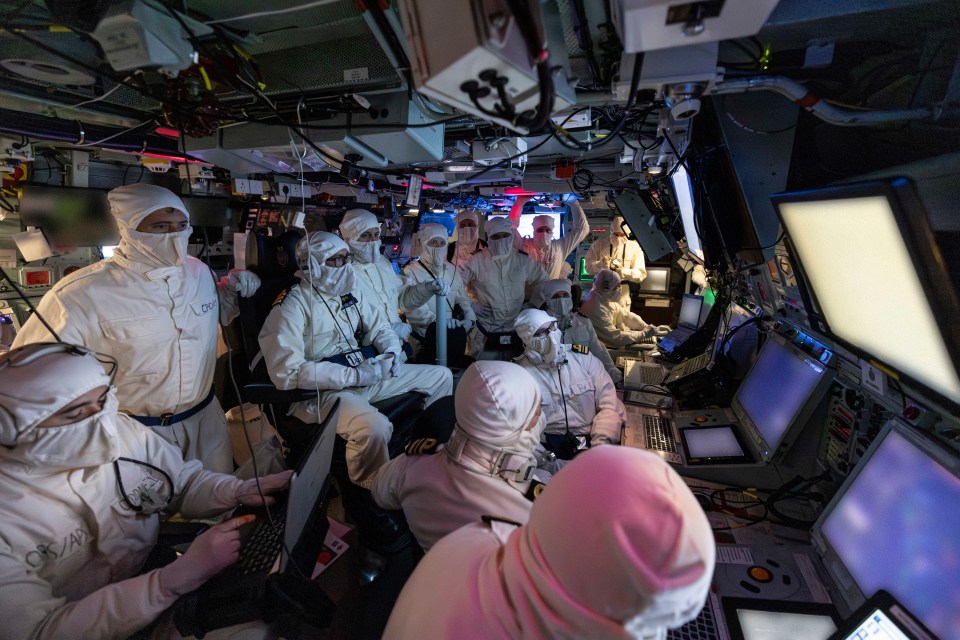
[(778, 394), (439, 217), (894, 525), (526, 224), (69, 216), (876, 280), (683, 191), (690, 308), (657, 280)]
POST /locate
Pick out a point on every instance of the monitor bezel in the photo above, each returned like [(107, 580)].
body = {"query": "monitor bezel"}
[(883, 601), (930, 266), (769, 451), (666, 288), (852, 596), (744, 458)]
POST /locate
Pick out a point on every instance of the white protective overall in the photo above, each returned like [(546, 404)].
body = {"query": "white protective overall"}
[(500, 276), (618, 254), (71, 544), (616, 326), (157, 311), (616, 547), (480, 470), (549, 252), (577, 393), (325, 315), (417, 296), (575, 328)]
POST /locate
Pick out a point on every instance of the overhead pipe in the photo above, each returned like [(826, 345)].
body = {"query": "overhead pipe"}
[(827, 112)]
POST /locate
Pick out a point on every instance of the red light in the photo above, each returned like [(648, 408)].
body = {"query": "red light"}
[(519, 191), (160, 156), (170, 133), (396, 247)]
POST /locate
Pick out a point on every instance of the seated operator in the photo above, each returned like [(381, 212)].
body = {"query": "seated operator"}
[(486, 466), (549, 252), (500, 276), (616, 326), (420, 303), (374, 274), (156, 309), (616, 547), (82, 490), (554, 297), (324, 334), (580, 403), (616, 253)]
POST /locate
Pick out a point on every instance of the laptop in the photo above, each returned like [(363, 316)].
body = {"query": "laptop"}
[(775, 400), (687, 325), (285, 541)]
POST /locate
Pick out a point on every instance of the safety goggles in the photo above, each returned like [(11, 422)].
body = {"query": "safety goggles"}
[(339, 261), (545, 331)]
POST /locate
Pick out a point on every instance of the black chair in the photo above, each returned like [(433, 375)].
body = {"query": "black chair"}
[(273, 259)]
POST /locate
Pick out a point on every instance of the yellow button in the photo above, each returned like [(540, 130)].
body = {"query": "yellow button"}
[(700, 419), (760, 574)]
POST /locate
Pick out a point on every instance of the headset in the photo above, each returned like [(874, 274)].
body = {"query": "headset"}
[(27, 354), (509, 464)]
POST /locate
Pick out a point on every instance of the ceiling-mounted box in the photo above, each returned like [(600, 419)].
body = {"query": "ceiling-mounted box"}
[(646, 25)]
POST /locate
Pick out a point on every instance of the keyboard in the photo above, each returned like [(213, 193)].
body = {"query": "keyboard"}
[(260, 550), (658, 435), (703, 627), (689, 366), (640, 374), (680, 334)]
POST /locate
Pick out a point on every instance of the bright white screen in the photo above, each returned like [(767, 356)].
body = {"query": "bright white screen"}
[(107, 251), (860, 270), (657, 280), (712, 442), (684, 193), (877, 626), (777, 625), (690, 310), (526, 224), (775, 390), (897, 527)]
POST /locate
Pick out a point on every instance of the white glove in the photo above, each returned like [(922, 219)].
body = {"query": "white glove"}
[(480, 308), (212, 551), (439, 286), (453, 323), (368, 373), (663, 329), (402, 329), (699, 276), (245, 283), (649, 331), (399, 357), (247, 493)]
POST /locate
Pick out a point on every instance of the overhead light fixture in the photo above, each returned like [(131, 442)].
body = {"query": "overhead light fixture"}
[(654, 170)]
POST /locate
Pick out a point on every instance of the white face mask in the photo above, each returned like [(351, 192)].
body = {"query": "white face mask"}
[(546, 350), (88, 443), (542, 238), (336, 281), (433, 257), (560, 307), (467, 235), (365, 251), (500, 247), (157, 249)]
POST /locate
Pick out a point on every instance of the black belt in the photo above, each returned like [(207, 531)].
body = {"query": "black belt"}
[(167, 419)]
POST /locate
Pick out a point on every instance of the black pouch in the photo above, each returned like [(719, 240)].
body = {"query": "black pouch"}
[(566, 445)]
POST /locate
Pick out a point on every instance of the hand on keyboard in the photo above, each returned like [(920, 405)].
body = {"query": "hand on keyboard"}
[(247, 493), (212, 551)]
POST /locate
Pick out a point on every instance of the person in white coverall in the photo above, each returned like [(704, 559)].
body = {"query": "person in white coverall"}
[(468, 238), (554, 297), (579, 398), (500, 276), (82, 490), (319, 336), (616, 326), (487, 465), (616, 547), (618, 254), (156, 310), (549, 252), (417, 295), (374, 273)]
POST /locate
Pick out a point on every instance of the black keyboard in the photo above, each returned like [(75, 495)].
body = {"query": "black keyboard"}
[(657, 433), (260, 550), (703, 627)]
